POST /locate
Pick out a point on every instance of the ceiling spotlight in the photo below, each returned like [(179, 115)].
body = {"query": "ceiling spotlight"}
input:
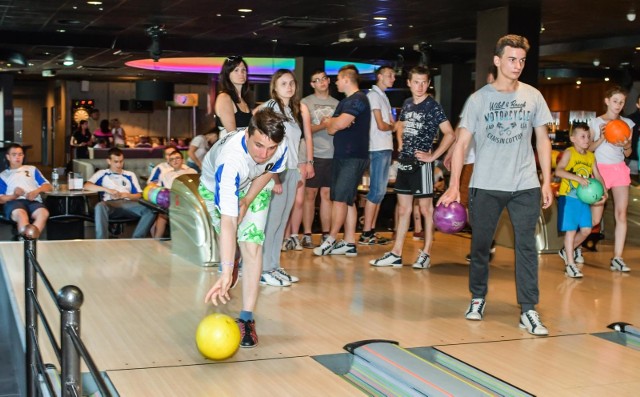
[(578, 82), (631, 15), (606, 79), (596, 62), (68, 60), (362, 34), (344, 38), (542, 28)]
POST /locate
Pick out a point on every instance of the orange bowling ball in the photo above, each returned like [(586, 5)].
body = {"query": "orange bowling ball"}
[(218, 336), (617, 131)]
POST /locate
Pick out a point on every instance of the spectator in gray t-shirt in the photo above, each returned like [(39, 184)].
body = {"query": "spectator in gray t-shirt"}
[(321, 107)]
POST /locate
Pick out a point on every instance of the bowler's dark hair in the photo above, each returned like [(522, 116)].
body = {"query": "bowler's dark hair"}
[(513, 41), (269, 123)]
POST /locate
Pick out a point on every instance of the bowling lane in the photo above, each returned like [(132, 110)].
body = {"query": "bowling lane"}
[(299, 376), (569, 365)]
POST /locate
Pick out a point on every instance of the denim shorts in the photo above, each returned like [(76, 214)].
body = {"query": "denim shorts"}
[(345, 177), (29, 206), (379, 162)]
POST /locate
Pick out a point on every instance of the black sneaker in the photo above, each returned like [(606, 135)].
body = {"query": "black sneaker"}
[(367, 240), (248, 336)]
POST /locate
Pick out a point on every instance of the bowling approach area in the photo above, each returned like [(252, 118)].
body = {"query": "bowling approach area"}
[(142, 305)]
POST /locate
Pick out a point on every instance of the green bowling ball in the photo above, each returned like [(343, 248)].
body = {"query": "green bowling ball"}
[(592, 193)]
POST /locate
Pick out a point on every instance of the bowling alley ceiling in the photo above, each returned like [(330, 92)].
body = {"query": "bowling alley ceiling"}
[(100, 36)]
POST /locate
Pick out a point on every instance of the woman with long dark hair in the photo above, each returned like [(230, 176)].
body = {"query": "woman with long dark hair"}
[(233, 105)]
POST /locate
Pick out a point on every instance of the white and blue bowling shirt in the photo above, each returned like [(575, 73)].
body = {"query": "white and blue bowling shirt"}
[(228, 168), (167, 177), (27, 177), (158, 170), (127, 182)]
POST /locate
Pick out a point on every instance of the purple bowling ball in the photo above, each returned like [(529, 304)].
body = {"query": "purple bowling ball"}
[(450, 219), (164, 198)]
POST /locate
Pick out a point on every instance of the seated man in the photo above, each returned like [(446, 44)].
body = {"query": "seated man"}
[(165, 179), (20, 188), (160, 168), (121, 192)]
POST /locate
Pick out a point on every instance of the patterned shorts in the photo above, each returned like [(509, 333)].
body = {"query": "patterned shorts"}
[(251, 228)]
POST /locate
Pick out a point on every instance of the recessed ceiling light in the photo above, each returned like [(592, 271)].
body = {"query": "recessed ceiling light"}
[(380, 18), (606, 79), (245, 10), (548, 77), (218, 15), (60, 30), (578, 82), (94, 3)]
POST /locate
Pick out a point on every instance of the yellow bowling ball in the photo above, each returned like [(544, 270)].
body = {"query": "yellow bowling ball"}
[(218, 336)]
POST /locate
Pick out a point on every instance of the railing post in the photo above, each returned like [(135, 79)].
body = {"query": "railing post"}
[(70, 299), (31, 316)]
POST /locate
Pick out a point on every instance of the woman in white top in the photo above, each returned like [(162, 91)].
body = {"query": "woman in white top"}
[(288, 186), (615, 173)]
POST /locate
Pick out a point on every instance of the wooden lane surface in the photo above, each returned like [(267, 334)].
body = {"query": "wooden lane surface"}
[(570, 365), (300, 376), (142, 304)]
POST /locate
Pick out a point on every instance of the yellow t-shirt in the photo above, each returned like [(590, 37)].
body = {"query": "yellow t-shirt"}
[(579, 164)]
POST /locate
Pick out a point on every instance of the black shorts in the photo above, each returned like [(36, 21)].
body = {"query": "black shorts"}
[(322, 177), (418, 183)]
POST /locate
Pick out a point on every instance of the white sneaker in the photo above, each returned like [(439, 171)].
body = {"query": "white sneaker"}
[(295, 243), (273, 279), (530, 320), (324, 248), (306, 242), (475, 310), (423, 261), (388, 259), (283, 274), (617, 264), (344, 248), (572, 270), (286, 244), (577, 255)]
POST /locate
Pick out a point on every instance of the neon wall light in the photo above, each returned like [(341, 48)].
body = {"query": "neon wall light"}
[(212, 65)]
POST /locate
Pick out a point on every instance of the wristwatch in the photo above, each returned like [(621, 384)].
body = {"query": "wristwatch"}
[(310, 162)]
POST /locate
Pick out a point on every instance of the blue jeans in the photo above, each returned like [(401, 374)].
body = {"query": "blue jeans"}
[(379, 164), (114, 209)]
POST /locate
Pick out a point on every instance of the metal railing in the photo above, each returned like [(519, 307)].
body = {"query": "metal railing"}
[(71, 349)]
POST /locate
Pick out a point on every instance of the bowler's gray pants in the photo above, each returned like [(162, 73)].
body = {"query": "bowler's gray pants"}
[(524, 210)]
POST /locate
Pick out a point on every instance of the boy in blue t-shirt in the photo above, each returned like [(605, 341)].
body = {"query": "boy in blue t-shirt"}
[(574, 216)]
